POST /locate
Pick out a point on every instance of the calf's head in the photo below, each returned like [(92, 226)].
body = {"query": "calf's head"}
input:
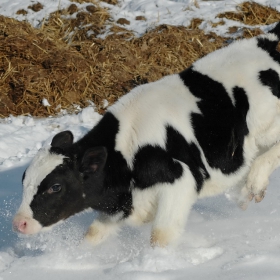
[(56, 182)]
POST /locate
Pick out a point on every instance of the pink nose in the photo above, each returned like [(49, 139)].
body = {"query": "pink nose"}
[(20, 225)]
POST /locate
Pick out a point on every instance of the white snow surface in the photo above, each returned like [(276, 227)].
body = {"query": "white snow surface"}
[(220, 241)]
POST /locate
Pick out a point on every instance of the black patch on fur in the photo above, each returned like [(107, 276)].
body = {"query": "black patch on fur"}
[(269, 47), (276, 30), (118, 174), (178, 148), (153, 165), (271, 79), (221, 127)]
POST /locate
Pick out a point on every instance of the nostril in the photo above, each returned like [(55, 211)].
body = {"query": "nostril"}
[(23, 225), (20, 225)]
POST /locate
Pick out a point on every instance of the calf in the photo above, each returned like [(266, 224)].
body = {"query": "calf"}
[(163, 145)]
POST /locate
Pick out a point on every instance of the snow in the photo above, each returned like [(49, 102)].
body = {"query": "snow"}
[(174, 12), (45, 102), (220, 242)]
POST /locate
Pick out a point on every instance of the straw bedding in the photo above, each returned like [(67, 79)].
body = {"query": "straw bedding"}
[(66, 63)]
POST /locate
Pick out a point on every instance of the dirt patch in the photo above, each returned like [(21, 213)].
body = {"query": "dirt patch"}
[(36, 7), (66, 63), (123, 21), (22, 12), (73, 8), (112, 2), (140, 18)]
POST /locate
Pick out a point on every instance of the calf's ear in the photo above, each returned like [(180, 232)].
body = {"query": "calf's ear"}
[(63, 140), (94, 160)]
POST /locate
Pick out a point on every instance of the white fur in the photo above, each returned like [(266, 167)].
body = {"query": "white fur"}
[(147, 109), (144, 206), (238, 65), (144, 112)]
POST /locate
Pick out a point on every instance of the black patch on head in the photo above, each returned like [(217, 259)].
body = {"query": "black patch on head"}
[(270, 47), (48, 208), (178, 148), (153, 165), (271, 79), (107, 190), (75, 196), (221, 127)]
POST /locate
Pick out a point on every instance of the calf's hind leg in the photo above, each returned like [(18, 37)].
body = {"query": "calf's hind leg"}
[(174, 204)]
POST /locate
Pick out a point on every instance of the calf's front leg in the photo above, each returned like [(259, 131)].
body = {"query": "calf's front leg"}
[(101, 229), (174, 204), (258, 177)]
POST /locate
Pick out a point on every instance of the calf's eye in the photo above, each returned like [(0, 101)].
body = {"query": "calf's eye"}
[(54, 189)]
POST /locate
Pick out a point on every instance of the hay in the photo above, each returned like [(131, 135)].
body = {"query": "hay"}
[(69, 65), (65, 62), (251, 13)]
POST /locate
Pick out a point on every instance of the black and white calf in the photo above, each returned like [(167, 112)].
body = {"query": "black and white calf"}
[(165, 144)]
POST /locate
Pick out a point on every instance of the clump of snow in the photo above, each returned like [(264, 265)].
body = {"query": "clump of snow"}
[(45, 102), (88, 115), (105, 103)]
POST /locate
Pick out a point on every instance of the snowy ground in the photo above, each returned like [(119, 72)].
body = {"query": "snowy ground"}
[(220, 242)]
